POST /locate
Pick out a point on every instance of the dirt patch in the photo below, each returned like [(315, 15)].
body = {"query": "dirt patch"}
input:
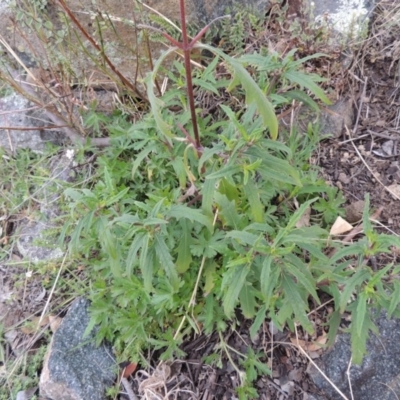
[(366, 159)]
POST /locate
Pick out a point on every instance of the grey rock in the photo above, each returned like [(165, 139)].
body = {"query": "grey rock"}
[(32, 242), (336, 117), (74, 368), (120, 39), (378, 377), (12, 114), (330, 120), (346, 17)]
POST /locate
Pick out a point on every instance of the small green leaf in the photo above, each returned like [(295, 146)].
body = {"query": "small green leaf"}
[(253, 196), (258, 321), (208, 196), (232, 283), (303, 98), (135, 246), (304, 80), (334, 322), (146, 264), (209, 275), (247, 301), (117, 197), (227, 211), (395, 298), (155, 102), (184, 254), (269, 279), (205, 85), (253, 92), (166, 260), (359, 315), (298, 269), (296, 302), (141, 156), (226, 171), (243, 237), (356, 280), (179, 212)]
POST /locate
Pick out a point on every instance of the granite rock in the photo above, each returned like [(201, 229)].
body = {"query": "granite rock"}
[(74, 368), (378, 377)]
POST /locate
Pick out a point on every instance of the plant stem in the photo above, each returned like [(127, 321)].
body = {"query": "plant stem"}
[(188, 70)]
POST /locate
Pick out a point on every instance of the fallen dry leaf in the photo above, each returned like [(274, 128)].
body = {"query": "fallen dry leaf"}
[(305, 219), (340, 226), (54, 323)]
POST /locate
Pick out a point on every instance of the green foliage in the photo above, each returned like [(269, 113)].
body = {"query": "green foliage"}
[(182, 236)]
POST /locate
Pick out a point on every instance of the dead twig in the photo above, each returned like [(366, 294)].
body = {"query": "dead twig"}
[(128, 388)]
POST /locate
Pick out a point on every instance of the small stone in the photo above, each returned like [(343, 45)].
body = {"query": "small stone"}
[(344, 178), (354, 211)]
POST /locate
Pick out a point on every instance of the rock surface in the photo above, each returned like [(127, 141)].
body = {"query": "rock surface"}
[(378, 377), (32, 242), (74, 369), (13, 114), (123, 42)]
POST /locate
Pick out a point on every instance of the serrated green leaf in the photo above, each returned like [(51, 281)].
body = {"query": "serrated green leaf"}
[(146, 264), (155, 103), (258, 321), (247, 301), (273, 168), (253, 92), (243, 237), (358, 342), (205, 85), (134, 248), (75, 195), (232, 283), (303, 98), (166, 260), (229, 190), (299, 270), (180, 211), (292, 221), (366, 221), (304, 80), (269, 279), (232, 119), (108, 181), (395, 298), (117, 197), (350, 287), (209, 275), (141, 156), (296, 302), (253, 196), (184, 254), (359, 315), (154, 221), (207, 192), (226, 171), (334, 323), (227, 210)]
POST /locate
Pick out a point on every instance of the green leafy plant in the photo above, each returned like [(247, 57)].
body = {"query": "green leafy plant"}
[(193, 217)]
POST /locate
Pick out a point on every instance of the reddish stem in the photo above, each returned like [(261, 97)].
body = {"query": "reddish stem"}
[(186, 52)]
